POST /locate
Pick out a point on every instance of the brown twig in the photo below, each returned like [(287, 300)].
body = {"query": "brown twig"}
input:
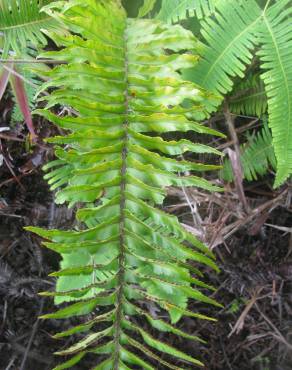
[(33, 333), (232, 228), (10, 168), (13, 138), (235, 157), (240, 322), (277, 334)]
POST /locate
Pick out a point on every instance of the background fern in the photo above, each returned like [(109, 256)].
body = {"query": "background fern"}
[(122, 82), (276, 54), (257, 156), (249, 96), (21, 25), (21, 22), (177, 10), (230, 37)]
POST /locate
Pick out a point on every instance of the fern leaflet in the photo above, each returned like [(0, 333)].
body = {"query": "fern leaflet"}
[(257, 156), (249, 97), (229, 37), (177, 10)]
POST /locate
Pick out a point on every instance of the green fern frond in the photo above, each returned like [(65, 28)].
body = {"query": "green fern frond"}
[(177, 10), (257, 156), (21, 22), (249, 97), (123, 82), (230, 36), (276, 55)]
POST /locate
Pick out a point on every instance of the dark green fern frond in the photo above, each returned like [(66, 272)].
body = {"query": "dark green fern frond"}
[(276, 56), (177, 10), (21, 22), (257, 156), (230, 37), (249, 97), (122, 79)]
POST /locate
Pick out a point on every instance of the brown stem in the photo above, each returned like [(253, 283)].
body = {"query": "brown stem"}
[(235, 157)]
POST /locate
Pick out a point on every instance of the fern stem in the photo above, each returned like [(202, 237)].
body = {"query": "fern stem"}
[(266, 7), (26, 24), (30, 61), (236, 166), (121, 273)]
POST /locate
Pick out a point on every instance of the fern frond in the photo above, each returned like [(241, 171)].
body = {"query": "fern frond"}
[(275, 35), (257, 156), (123, 82), (21, 22), (229, 37), (236, 28), (177, 10), (249, 97)]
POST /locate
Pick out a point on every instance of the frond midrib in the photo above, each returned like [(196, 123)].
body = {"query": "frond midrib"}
[(247, 97), (26, 24), (261, 150), (122, 256)]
